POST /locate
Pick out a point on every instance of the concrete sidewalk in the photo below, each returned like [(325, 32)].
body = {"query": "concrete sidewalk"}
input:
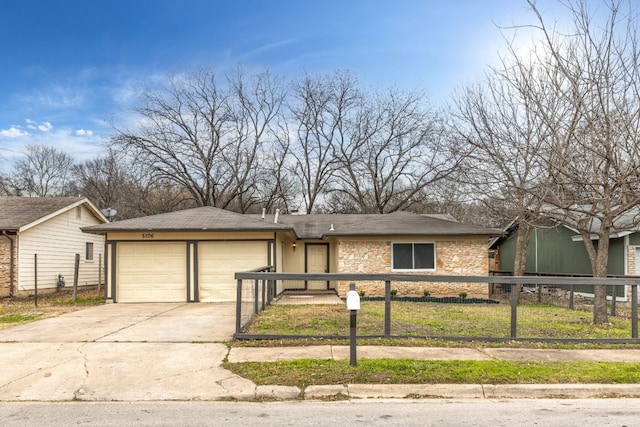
[(272, 354), (155, 352), (461, 391)]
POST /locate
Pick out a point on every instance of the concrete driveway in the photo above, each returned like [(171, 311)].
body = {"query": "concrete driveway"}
[(122, 352)]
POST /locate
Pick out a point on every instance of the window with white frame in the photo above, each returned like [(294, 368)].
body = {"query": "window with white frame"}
[(413, 256), (88, 251)]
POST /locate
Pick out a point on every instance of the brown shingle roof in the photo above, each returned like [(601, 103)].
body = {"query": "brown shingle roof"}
[(410, 224), (16, 212), (205, 218), (209, 218), (397, 223)]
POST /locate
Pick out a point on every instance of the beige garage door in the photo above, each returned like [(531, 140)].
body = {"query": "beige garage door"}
[(219, 261), (151, 272)]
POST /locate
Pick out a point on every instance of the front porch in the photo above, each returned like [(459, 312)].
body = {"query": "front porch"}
[(306, 297)]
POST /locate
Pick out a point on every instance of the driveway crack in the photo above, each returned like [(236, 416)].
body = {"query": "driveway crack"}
[(146, 318), (80, 390)]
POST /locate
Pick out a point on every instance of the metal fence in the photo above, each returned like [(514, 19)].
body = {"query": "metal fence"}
[(517, 308), (253, 296)]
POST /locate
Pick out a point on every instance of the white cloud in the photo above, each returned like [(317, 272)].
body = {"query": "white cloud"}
[(42, 126), (13, 132), (83, 132), (45, 126), (31, 124)]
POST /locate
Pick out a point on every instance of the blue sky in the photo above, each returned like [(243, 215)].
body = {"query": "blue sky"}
[(73, 69)]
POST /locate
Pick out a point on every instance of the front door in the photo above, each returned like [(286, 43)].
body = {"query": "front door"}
[(317, 261)]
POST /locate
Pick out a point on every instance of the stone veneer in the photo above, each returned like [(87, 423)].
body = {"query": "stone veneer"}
[(631, 266), (5, 266), (453, 257)]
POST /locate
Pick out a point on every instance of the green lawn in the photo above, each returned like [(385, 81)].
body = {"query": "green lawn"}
[(420, 319), (437, 320), (307, 372)]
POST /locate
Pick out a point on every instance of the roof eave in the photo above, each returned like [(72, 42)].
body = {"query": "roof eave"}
[(98, 230), (333, 234), (80, 202)]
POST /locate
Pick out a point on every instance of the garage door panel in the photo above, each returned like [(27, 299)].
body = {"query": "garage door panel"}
[(219, 261), (151, 272)]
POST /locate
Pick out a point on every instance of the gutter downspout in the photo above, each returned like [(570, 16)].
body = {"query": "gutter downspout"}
[(11, 263)]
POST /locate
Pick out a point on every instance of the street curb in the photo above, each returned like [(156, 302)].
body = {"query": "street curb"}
[(572, 391), (449, 391), (279, 392)]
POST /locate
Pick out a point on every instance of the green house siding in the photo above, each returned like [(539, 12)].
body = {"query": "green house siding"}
[(634, 239), (552, 251)]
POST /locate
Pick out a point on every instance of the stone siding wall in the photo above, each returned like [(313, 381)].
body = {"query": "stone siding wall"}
[(453, 257), (631, 260), (5, 266), (631, 267)]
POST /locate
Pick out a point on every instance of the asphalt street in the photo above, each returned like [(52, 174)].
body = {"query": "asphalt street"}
[(405, 413)]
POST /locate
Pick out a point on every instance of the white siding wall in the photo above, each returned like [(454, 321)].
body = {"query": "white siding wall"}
[(56, 241)]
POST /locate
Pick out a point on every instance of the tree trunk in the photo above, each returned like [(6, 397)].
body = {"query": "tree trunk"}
[(599, 258), (522, 247), (520, 258), (600, 291)]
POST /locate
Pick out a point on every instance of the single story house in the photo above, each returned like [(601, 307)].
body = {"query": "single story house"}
[(557, 249), (39, 239), (192, 255)]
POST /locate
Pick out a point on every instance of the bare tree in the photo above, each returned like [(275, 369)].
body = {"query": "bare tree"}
[(395, 149), (503, 170), (256, 111), (103, 180), (321, 111), (115, 181), (276, 188), (582, 87), (44, 171), (206, 137)]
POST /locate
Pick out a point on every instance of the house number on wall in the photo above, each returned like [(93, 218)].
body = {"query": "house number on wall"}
[(147, 235)]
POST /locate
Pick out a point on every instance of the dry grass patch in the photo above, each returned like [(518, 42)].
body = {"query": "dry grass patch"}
[(14, 311)]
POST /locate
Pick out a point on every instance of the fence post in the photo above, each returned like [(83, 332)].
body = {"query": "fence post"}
[(239, 307), (613, 299), (99, 273), (571, 297), (387, 309), (76, 268), (634, 311), (514, 309), (264, 293), (35, 277), (256, 296)]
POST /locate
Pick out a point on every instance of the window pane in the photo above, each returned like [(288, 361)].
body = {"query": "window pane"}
[(402, 256), (423, 255), (89, 251)]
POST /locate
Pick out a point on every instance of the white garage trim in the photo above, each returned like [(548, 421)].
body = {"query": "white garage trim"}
[(151, 272), (219, 261)]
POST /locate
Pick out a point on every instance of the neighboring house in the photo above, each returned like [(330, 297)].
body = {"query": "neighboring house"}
[(192, 255), (556, 249), (49, 229)]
